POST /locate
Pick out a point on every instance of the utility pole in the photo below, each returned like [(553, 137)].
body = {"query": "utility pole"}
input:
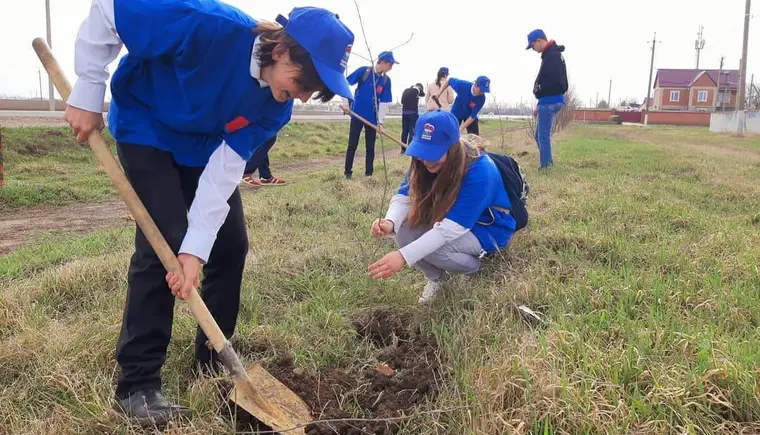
[(649, 86), (50, 44), (743, 74), (718, 98), (699, 44), (609, 94), (39, 76)]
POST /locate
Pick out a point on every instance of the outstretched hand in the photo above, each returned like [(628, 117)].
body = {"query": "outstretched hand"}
[(387, 266)]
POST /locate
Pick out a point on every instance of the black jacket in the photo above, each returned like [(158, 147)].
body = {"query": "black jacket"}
[(410, 98), (552, 77)]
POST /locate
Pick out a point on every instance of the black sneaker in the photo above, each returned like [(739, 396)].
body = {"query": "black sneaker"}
[(149, 408)]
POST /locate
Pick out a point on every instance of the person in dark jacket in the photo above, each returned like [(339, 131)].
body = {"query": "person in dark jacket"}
[(549, 89), (410, 101)]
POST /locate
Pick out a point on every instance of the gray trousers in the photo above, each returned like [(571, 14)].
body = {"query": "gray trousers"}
[(458, 256)]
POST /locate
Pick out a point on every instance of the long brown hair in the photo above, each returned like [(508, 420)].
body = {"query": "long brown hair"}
[(433, 195), (271, 35), (441, 75)]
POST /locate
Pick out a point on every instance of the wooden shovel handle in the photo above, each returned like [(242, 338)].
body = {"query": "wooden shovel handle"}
[(374, 127), (135, 206)]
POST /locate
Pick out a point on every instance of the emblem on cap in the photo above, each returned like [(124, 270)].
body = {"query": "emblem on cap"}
[(427, 131), (344, 62)]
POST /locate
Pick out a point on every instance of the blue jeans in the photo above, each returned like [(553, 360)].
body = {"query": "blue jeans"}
[(544, 123)]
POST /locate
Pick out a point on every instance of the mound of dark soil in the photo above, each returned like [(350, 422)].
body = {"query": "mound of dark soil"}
[(406, 373)]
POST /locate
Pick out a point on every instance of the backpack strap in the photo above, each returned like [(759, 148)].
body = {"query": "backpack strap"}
[(365, 76)]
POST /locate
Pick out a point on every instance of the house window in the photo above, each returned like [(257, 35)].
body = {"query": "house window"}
[(724, 97), (675, 96), (702, 96)]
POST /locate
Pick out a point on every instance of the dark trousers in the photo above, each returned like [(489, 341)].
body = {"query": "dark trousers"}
[(353, 142), (167, 191), (473, 128), (408, 121), (260, 160)]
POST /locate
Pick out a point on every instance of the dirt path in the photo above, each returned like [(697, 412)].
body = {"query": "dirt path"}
[(20, 226)]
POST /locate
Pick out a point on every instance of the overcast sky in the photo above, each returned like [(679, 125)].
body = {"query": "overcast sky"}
[(604, 39)]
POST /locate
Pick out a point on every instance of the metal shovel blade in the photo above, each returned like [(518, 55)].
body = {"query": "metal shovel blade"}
[(274, 404)]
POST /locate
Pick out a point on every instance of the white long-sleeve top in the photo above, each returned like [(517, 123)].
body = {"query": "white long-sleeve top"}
[(97, 45), (441, 233)]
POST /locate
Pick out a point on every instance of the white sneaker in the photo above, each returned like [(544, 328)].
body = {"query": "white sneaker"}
[(430, 290)]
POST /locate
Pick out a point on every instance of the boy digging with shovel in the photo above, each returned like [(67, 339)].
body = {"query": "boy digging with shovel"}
[(202, 87)]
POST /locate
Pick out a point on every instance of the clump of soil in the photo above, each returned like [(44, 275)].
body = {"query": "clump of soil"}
[(382, 327), (405, 374)]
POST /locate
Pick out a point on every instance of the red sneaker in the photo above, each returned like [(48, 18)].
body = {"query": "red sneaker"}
[(250, 181), (274, 181)]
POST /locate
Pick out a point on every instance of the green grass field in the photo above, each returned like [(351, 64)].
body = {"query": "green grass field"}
[(46, 166), (641, 257)]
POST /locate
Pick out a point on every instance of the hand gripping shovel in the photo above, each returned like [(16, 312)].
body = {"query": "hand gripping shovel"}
[(374, 127), (256, 391)]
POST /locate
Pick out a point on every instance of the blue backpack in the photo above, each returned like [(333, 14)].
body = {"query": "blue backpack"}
[(516, 186)]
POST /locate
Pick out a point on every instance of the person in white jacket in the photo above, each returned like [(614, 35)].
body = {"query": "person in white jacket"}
[(446, 99)]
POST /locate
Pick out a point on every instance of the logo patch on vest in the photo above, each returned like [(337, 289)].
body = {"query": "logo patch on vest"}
[(472, 104), (379, 89), (236, 124)]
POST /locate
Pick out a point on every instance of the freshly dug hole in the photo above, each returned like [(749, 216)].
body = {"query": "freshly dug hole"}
[(403, 376)]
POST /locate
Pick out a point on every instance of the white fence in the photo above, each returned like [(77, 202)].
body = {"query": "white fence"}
[(725, 122)]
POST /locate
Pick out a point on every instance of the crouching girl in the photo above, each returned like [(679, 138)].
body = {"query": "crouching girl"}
[(450, 211)]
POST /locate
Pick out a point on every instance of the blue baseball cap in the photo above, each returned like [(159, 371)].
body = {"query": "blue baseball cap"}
[(327, 40), (435, 132), (386, 56), (532, 36), (443, 70), (484, 83)]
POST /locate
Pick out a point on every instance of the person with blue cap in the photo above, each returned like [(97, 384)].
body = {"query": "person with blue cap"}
[(372, 99), (201, 88), (446, 99), (549, 89), (469, 100), (450, 211)]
